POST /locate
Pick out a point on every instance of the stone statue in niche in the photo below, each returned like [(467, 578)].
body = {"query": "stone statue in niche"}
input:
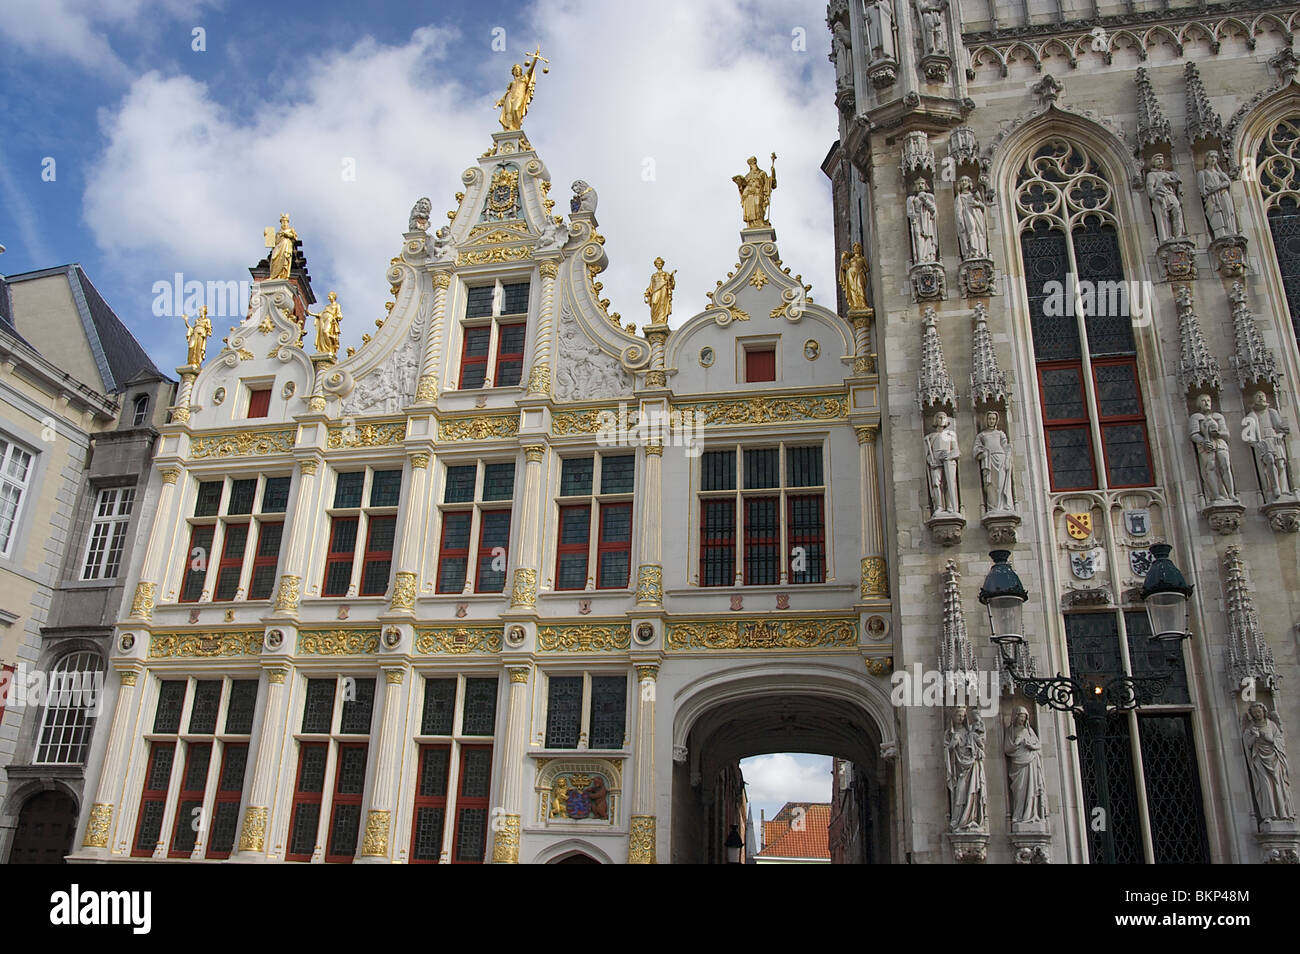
[(933, 26), (1265, 431), (941, 455), (880, 30), (1024, 754), (1162, 185), (963, 745), (840, 56), (1264, 743), (972, 220), (1216, 191), (921, 210), (1209, 433), (993, 452)]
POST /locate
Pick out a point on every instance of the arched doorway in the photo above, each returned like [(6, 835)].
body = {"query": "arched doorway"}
[(832, 713), (47, 825), (577, 858)]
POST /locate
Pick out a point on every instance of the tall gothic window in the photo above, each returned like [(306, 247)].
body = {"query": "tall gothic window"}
[(1079, 308), (1278, 166)]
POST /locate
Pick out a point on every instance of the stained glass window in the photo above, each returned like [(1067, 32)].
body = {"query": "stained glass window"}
[(1277, 164), (563, 712)]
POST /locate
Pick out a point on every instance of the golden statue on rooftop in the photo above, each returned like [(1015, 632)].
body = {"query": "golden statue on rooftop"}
[(519, 94), (282, 245), (853, 279), (196, 337), (756, 187), (328, 320), (659, 296)]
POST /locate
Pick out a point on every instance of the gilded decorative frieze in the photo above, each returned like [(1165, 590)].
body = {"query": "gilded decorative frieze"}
[(253, 836), (496, 255), (101, 817), (764, 410), (205, 645), (579, 422), (875, 581), (366, 435), (339, 642), (242, 444), (524, 591), (142, 602), (641, 840), (649, 583), (286, 598), (458, 640), (403, 591), (505, 848), (426, 392), (480, 428), (740, 634), (583, 639), (374, 843), (539, 379)]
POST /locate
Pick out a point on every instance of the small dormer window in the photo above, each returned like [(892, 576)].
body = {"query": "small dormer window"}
[(495, 328), (140, 410), (259, 402)]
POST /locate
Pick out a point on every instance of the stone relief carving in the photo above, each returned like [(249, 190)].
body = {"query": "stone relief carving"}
[(583, 371), (391, 386)]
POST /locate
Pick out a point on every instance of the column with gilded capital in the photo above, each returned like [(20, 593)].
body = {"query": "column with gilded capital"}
[(650, 571), (641, 839), (426, 392), (99, 827), (300, 537), (408, 563), (256, 827), (523, 593), (159, 550), (539, 378), (875, 574), (505, 821), (864, 362), (375, 838)]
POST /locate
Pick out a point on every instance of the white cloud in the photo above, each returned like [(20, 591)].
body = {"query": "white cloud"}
[(185, 184), (773, 780)]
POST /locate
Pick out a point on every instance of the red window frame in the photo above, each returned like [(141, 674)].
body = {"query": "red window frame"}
[(445, 552), (195, 531), (760, 365), (341, 799), (752, 537), (377, 556), (717, 542), (261, 562), (485, 552), (430, 802), (464, 802), (509, 355), (259, 402), (226, 796), (567, 549), (150, 796), (1051, 425), (301, 798), (6, 678), (806, 540), (1137, 418), (335, 556), (227, 562), (604, 546), (470, 361), (189, 795)]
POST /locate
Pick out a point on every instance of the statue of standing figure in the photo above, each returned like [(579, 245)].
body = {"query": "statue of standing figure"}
[(1024, 754), (880, 30), (282, 249), (933, 25), (1162, 186), (921, 210), (853, 278), (972, 220), (941, 455), (328, 320), (659, 296), (841, 56), (1216, 191), (1208, 430), (756, 188), (993, 451), (196, 337), (963, 745), (1270, 776), (1265, 431)]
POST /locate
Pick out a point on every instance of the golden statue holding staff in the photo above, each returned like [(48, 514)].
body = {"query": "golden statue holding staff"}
[(196, 336), (282, 247), (328, 320), (659, 296), (523, 83), (853, 278), (756, 187)]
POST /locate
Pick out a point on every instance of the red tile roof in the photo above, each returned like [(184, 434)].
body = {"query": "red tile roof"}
[(810, 840)]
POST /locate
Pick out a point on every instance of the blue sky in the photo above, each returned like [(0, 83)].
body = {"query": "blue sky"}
[(168, 159)]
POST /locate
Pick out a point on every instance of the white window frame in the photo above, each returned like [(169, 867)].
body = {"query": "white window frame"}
[(584, 731), (112, 516), (476, 507), (494, 321), (365, 514), (9, 454), (65, 719), (596, 501), (219, 521)]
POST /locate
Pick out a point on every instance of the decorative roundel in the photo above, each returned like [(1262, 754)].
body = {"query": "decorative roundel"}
[(286, 392), (877, 627), (274, 639), (645, 633), (126, 642), (392, 637), (811, 349), (218, 395), (515, 636), (706, 357)]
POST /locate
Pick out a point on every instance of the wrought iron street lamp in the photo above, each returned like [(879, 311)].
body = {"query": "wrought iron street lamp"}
[(1004, 596), (1165, 593), (733, 844)]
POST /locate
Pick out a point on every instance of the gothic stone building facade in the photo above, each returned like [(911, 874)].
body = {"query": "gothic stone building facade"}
[(513, 583)]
